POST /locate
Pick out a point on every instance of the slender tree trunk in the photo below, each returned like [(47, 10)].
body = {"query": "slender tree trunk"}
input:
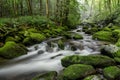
[(41, 8), (21, 7), (29, 3), (47, 8)]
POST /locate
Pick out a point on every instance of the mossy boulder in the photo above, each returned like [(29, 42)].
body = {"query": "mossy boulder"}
[(112, 73), (60, 44), (109, 50), (46, 76), (77, 36), (91, 31), (94, 77), (118, 43), (103, 36), (34, 38), (116, 33), (68, 35), (94, 60), (77, 71), (106, 29), (117, 59), (12, 50)]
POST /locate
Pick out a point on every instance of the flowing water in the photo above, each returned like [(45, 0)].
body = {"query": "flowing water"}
[(43, 57)]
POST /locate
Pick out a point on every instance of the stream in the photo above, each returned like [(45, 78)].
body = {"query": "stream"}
[(43, 58)]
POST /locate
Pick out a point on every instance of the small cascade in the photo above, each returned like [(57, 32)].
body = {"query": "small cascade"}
[(44, 57)]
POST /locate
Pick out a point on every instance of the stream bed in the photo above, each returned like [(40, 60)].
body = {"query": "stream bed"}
[(43, 58)]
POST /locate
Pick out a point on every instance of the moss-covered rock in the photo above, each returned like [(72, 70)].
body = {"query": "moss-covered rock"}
[(77, 36), (12, 50), (109, 50), (103, 36), (68, 35), (77, 71), (94, 77), (60, 44), (118, 43), (96, 60), (46, 76), (112, 73), (117, 59), (91, 31), (34, 38), (106, 29), (116, 33)]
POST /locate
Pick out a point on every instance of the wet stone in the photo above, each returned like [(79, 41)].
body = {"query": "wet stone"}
[(40, 52)]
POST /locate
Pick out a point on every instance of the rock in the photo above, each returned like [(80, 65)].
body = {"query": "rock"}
[(117, 59), (12, 50), (116, 33), (68, 35), (112, 73), (34, 38), (118, 43), (61, 44), (77, 71), (94, 77), (91, 31), (103, 36), (109, 50), (94, 60), (46, 76), (40, 52), (77, 36), (106, 29)]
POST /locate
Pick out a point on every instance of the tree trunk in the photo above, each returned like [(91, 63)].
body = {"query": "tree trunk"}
[(47, 9), (41, 8)]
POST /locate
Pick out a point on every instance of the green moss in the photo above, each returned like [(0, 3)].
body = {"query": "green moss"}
[(46, 76), (34, 38), (11, 50), (77, 71), (37, 37), (96, 60), (106, 29), (112, 72), (103, 36), (77, 36)]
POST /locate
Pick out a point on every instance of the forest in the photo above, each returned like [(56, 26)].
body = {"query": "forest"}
[(59, 39)]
